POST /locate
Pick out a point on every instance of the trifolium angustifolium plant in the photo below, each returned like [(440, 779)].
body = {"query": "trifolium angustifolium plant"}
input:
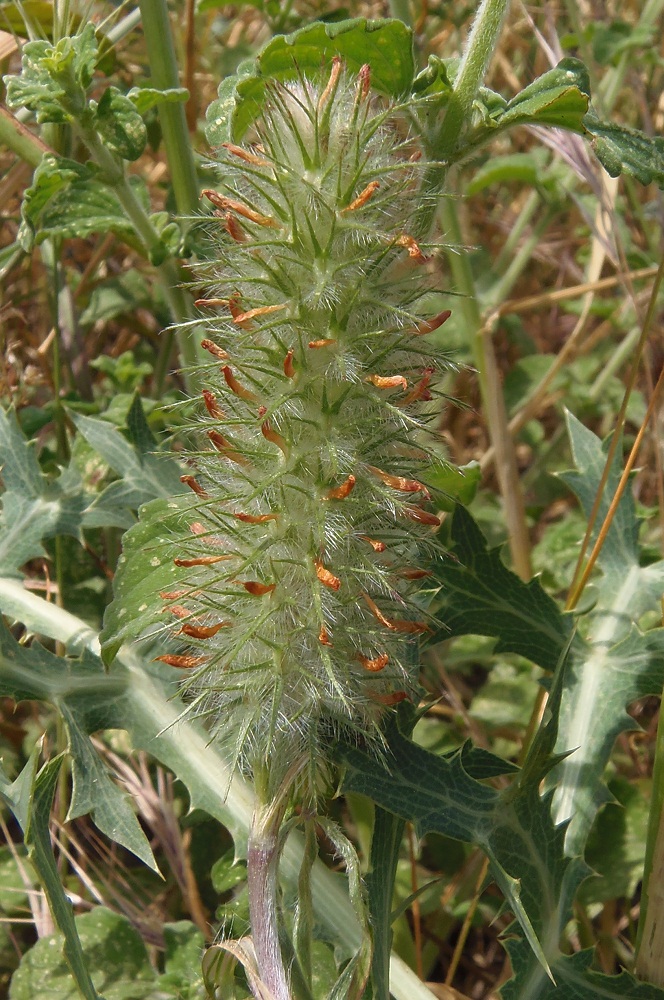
[(287, 576)]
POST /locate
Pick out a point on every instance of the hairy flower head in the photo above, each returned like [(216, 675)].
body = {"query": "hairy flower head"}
[(290, 591)]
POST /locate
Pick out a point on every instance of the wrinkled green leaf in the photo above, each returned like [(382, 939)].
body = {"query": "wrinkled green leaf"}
[(67, 200), (145, 98), (386, 45), (480, 596), (623, 150), (54, 79), (558, 98), (120, 125)]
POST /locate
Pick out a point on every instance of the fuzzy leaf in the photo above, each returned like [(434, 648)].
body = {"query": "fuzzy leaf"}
[(558, 98), (145, 98), (623, 150), (386, 45), (120, 125), (67, 200), (480, 596), (54, 78)]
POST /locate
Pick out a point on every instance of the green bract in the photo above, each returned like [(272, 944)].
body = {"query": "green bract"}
[(285, 579)]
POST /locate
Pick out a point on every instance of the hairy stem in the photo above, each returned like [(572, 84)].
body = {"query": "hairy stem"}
[(262, 865)]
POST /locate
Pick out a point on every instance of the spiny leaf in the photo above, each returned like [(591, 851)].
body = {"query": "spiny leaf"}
[(31, 672), (514, 828), (480, 596), (33, 508), (386, 45), (145, 473), (30, 798), (573, 979)]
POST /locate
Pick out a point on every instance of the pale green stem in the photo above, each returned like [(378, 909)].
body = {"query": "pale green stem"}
[(263, 888), (516, 231), (480, 46), (168, 273), (165, 75), (500, 291), (20, 139), (493, 404)]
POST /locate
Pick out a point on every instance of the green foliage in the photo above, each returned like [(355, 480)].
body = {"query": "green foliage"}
[(319, 246), (118, 956), (385, 45), (479, 595)]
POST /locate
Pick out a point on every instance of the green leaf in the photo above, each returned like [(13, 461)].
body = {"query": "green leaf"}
[(33, 508), (558, 98), (32, 673), (522, 168), (480, 596), (54, 79), (514, 828), (145, 474), (146, 568), (96, 795), (120, 125), (183, 976), (36, 507), (456, 483), (573, 979), (618, 663), (67, 199), (623, 150), (114, 951), (385, 849), (30, 798), (617, 843), (146, 98), (386, 45)]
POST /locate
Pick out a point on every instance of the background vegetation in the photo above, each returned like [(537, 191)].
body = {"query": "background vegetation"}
[(556, 332)]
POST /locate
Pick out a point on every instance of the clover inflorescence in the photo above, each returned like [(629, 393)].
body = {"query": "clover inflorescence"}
[(296, 610)]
